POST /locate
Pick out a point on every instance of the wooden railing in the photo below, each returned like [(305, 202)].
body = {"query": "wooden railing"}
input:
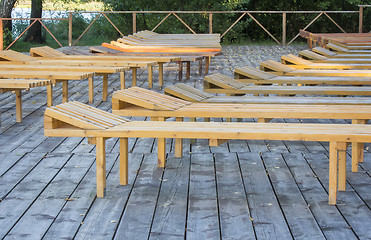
[(176, 14)]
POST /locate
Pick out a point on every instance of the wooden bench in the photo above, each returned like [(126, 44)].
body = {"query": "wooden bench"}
[(300, 63), (17, 85), (55, 77), (281, 69), (79, 120), (40, 68), (19, 58), (145, 103)]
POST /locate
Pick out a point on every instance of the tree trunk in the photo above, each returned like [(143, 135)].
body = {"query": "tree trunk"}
[(34, 33), (6, 7)]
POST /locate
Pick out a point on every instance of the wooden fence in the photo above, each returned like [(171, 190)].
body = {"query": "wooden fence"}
[(176, 14)]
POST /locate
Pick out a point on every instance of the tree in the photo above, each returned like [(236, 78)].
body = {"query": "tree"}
[(6, 7), (34, 33)]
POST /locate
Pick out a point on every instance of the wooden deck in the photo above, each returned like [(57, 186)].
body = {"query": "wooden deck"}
[(239, 190)]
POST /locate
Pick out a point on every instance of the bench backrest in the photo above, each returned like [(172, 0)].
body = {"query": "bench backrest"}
[(253, 73), (273, 66), (218, 80), (323, 51), (81, 116), (10, 55), (292, 59), (45, 51), (187, 93), (147, 99), (307, 54)]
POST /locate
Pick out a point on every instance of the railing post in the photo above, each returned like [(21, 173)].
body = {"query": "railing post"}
[(360, 26), (210, 23), (1, 35), (70, 29), (134, 22), (284, 28)]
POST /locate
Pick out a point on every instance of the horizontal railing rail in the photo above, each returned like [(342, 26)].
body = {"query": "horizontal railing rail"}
[(176, 14)]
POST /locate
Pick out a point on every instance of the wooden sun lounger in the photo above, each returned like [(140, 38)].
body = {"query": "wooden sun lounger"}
[(17, 85), (340, 49), (145, 103), (281, 69), (300, 63), (318, 58), (215, 83), (80, 120), (331, 54), (191, 94)]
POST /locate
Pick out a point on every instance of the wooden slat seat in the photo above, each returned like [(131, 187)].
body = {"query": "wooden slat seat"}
[(64, 123), (17, 85)]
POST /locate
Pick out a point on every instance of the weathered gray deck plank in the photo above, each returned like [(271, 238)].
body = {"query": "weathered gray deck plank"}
[(137, 218), (100, 217), (330, 220), (234, 213), (299, 218), (171, 211), (268, 220), (349, 203), (202, 220)]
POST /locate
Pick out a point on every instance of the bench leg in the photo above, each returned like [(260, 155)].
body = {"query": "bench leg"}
[(357, 155), (91, 90), (161, 146), (161, 152), (18, 105), (207, 64), (101, 166), (49, 95), (64, 91), (200, 67), (105, 87), (179, 142), (192, 119), (180, 74), (122, 80), (161, 74), (134, 77), (150, 76), (333, 164), (342, 155), (357, 148), (124, 161), (188, 73)]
